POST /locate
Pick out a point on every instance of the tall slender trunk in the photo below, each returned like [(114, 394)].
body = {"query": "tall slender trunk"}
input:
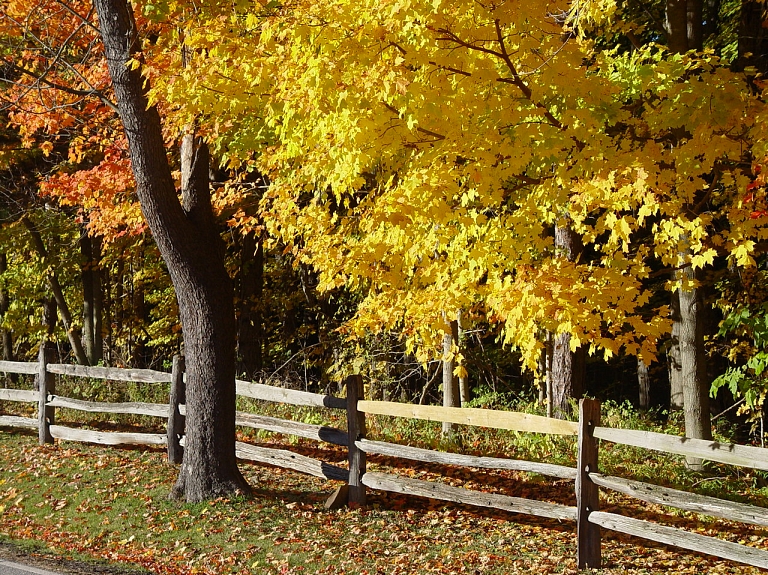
[(753, 35), (250, 328), (98, 301), (92, 298), (451, 396), (644, 384), (464, 391), (567, 367), (53, 282), (189, 242), (5, 304), (690, 328), (674, 361), (693, 367)]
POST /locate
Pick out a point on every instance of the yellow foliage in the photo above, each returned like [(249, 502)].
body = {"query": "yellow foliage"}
[(421, 151)]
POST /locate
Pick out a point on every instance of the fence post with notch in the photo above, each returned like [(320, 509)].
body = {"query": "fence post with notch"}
[(46, 385), (355, 431), (176, 420), (587, 493)]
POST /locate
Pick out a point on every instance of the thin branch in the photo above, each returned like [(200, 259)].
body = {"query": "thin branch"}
[(41, 79)]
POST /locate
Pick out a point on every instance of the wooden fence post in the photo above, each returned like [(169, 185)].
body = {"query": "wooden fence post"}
[(176, 421), (46, 383), (587, 494), (355, 430)]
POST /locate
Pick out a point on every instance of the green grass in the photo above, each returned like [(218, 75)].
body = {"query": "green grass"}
[(111, 504)]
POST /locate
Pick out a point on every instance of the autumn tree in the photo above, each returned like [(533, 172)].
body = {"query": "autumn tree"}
[(422, 151), (77, 66)]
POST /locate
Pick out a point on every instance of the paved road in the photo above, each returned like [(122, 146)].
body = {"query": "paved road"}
[(10, 568)]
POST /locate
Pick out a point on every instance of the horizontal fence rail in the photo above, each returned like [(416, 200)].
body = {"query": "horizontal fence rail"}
[(586, 476), (430, 456), (684, 500), (681, 538), (510, 420), (289, 396), (21, 367), (442, 492), (741, 455), (112, 373)]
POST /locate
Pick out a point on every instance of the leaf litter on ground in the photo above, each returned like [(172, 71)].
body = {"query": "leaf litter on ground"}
[(102, 503)]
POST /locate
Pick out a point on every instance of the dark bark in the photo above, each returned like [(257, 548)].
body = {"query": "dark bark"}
[(674, 362), (695, 29), (644, 384), (192, 250), (567, 367), (710, 25), (693, 367), (92, 298), (58, 293), (137, 341), (753, 41), (49, 317), (250, 332), (677, 25), (5, 303), (97, 277)]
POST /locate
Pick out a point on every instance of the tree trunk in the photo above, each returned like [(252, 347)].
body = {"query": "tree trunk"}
[(567, 367), (644, 383), (92, 298), (753, 36), (673, 357), (138, 318), (49, 317), (690, 328), (693, 367), (98, 301), (464, 391), (250, 332), (677, 25), (451, 396), (5, 304), (193, 252), (695, 28), (58, 293)]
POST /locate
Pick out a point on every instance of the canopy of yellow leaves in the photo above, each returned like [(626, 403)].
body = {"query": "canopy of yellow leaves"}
[(422, 151)]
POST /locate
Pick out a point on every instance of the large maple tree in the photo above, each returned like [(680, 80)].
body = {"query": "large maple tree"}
[(422, 154)]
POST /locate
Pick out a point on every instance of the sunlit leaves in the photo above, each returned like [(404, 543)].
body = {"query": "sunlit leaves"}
[(420, 154)]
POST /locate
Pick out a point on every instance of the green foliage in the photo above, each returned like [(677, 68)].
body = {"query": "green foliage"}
[(744, 336)]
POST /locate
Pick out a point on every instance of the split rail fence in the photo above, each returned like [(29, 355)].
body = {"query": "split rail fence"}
[(588, 480)]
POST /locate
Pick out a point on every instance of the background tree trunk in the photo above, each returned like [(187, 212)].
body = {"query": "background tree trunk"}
[(753, 36), (5, 303), (673, 357), (644, 384), (451, 396), (92, 298), (566, 368), (58, 293), (192, 250), (464, 392), (693, 369), (250, 328)]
